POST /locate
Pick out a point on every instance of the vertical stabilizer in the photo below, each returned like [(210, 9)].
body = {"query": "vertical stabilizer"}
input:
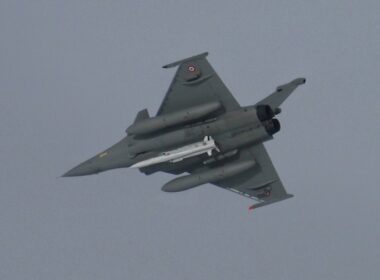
[(142, 115), (282, 92)]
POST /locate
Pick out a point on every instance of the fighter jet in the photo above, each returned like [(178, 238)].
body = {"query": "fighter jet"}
[(202, 131)]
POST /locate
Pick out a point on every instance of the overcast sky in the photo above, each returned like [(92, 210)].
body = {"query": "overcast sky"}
[(73, 75)]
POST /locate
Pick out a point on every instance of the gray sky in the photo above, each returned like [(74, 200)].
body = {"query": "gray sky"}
[(73, 74)]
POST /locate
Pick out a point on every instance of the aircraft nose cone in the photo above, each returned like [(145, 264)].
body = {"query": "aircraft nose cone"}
[(114, 157), (82, 169)]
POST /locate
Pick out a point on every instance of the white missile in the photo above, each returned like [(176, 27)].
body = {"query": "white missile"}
[(195, 149)]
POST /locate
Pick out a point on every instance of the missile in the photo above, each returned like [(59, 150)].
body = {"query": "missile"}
[(220, 157), (195, 149), (154, 124), (208, 176)]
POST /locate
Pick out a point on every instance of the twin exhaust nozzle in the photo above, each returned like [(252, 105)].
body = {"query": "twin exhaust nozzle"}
[(266, 114)]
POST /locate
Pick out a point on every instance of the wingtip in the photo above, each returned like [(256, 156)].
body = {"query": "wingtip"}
[(299, 81), (195, 57)]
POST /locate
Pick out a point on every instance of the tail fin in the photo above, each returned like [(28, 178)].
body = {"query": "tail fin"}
[(282, 92), (141, 115)]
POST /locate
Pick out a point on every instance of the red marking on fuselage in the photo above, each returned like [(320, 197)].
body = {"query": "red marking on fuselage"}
[(191, 68)]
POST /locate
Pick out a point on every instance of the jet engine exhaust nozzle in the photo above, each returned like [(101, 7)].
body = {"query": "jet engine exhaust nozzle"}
[(273, 126), (264, 112)]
